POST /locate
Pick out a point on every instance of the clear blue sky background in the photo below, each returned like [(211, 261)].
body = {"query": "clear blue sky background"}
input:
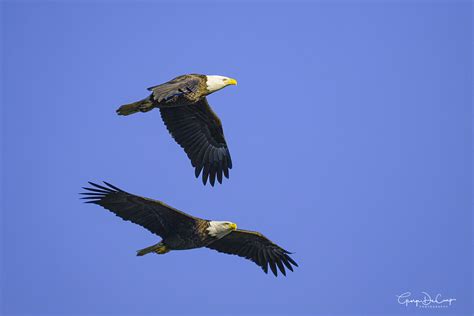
[(350, 132)]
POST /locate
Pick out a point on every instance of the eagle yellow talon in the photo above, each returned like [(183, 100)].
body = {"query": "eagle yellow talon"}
[(162, 250)]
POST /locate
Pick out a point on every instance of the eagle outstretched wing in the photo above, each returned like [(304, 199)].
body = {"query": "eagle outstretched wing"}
[(199, 131), (257, 248), (178, 86), (156, 216)]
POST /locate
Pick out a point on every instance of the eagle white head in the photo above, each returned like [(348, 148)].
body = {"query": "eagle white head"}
[(215, 83), (219, 229)]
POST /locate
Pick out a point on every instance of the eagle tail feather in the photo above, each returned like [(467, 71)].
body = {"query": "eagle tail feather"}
[(159, 248), (144, 105)]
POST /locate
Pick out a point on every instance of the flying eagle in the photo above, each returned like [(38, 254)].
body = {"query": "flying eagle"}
[(191, 121), (180, 231)]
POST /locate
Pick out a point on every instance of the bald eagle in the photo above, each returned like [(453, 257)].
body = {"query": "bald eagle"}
[(180, 231), (191, 121)]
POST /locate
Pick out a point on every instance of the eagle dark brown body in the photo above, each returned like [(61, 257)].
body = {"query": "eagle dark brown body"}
[(189, 236), (180, 91), (191, 121)]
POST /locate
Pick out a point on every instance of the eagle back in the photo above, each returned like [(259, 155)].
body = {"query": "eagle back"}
[(182, 90)]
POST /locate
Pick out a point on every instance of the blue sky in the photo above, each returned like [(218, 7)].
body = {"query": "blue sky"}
[(350, 133)]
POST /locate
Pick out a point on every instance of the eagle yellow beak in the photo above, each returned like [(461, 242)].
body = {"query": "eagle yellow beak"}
[(232, 82), (233, 226)]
